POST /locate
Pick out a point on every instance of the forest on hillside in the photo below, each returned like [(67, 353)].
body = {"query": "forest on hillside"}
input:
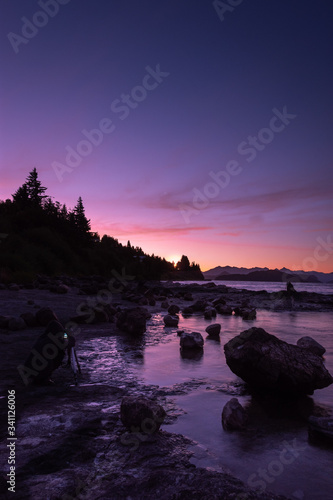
[(42, 236)]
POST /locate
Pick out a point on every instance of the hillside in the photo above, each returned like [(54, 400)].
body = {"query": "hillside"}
[(40, 236), (242, 273)]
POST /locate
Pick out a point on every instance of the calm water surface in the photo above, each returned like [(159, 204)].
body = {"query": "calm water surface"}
[(253, 455)]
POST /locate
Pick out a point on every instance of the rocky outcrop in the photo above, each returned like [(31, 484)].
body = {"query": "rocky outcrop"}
[(311, 345), (233, 415), (265, 362), (141, 413)]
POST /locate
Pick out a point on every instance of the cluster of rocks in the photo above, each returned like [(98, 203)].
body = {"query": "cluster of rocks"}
[(27, 320)]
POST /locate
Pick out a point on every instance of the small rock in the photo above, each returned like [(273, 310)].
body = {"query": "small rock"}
[(225, 310), (29, 319), (165, 304), (311, 345), (188, 297), (133, 320), (173, 309), (13, 287), (193, 340), (321, 427), (171, 320), (141, 412), (213, 330), (233, 415), (16, 324), (210, 312)]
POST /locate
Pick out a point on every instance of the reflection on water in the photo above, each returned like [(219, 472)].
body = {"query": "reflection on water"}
[(273, 452), (253, 455)]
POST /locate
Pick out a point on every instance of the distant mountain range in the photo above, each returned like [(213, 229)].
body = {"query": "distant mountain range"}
[(229, 273)]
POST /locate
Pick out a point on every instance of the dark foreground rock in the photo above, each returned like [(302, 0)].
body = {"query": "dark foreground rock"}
[(233, 415), (321, 428), (265, 362), (133, 320), (141, 413), (311, 345)]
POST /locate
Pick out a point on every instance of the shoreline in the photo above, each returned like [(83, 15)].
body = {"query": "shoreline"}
[(72, 435)]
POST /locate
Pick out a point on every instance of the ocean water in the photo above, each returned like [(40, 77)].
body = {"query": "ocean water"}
[(253, 455), (273, 452), (324, 288)]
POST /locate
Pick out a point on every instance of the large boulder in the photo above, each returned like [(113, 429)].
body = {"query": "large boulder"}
[(266, 362), (141, 413), (233, 415), (311, 345), (133, 320), (193, 340)]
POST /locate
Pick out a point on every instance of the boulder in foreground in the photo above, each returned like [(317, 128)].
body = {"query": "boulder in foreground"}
[(133, 320), (141, 412), (266, 362), (311, 345), (233, 415)]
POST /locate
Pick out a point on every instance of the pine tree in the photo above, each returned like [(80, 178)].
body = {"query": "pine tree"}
[(81, 222), (35, 189)]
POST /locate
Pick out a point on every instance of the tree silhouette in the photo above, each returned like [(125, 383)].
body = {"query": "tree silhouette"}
[(81, 222), (31, 192)]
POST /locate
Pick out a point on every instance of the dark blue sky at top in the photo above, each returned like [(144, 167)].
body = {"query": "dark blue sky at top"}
[(224, 80)]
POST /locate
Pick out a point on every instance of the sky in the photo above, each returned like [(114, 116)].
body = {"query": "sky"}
[(200, 128)]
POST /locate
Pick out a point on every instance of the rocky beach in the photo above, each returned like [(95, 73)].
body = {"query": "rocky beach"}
[(72, 440)]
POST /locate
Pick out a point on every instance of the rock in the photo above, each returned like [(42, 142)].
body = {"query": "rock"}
[(249, 314), (188, 297), (152, 301), (233, 415), (143, 301), (265, 362), (179, 332), (61, 289), (165, 304), (225, 310), (187, 311), (133, 320), (13, 287), (209, 313), (30, 302), (16, 324), (4, 320), (173, 309), (199, 305), (45, 315), (213, 330), (29, 319), (321, 427), (193, 340), (311, 345), (142, 414), (219, 301), (171, 320)]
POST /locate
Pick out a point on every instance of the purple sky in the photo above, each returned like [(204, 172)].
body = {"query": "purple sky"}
[(247, 98)]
